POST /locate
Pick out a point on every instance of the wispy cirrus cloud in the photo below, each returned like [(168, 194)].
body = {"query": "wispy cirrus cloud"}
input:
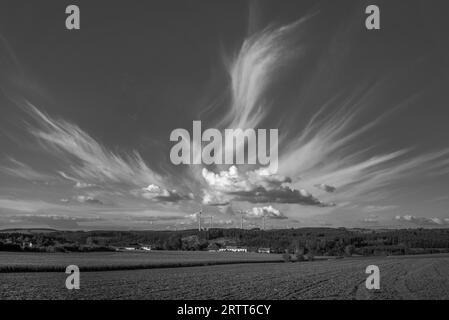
[(328, 149), (25, 205), (78, 184), (325, 187), (378, 208), (423, 221), (24, 171), (369, 176), (89, 160), (47, 221), (89, 164), (262, 59), (46, 207)]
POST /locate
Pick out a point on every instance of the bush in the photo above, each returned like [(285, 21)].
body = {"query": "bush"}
[(10, 247), (349, 250), (286, 257), (310, 256), (299, 256)]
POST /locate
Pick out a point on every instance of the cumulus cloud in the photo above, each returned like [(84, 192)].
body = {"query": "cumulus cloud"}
[(371, 219), (88, 200), (233, 181), (155, 192), (227, 210), (225, 222), (267, 212), (258, 186), (214, 198), (193, 216), (283, 194)]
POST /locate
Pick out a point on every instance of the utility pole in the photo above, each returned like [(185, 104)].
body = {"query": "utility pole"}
[(210, 225), (263, 222)]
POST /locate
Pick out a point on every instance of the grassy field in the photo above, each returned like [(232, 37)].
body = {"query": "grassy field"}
[(413, 277), (103, 261)]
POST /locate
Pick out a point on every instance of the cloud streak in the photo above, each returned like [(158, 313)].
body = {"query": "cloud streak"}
[(21, 170), (88, 159), (422, 221), (327, 152)]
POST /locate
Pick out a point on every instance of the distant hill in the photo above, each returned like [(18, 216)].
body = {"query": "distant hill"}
[(28, 230)]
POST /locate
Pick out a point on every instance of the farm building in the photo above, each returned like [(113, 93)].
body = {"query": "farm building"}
[(125, 249), (26, 245), (264, 250), (233, 249), (134, 248)]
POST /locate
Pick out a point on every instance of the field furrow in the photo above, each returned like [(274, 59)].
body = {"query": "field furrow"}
[(418, 277)]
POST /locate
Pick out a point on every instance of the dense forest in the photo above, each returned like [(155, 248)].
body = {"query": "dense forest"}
[(319, 241)]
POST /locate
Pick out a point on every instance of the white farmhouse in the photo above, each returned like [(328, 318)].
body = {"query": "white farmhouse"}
[(233, 249)]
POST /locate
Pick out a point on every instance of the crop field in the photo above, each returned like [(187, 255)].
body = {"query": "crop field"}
[(408, 277), (103, 261)]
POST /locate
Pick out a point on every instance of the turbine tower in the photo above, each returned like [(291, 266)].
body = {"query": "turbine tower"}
[(199, 219)]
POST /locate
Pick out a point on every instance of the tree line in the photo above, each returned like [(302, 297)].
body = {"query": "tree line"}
[(317, 241)]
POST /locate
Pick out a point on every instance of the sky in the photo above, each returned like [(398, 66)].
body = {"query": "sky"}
[(86, 115)]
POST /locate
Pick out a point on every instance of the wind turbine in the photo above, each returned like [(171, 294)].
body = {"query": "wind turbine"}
[(241, 218), (199, 218)]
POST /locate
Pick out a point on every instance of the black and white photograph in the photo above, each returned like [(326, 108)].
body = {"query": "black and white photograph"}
[(248, 151)]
